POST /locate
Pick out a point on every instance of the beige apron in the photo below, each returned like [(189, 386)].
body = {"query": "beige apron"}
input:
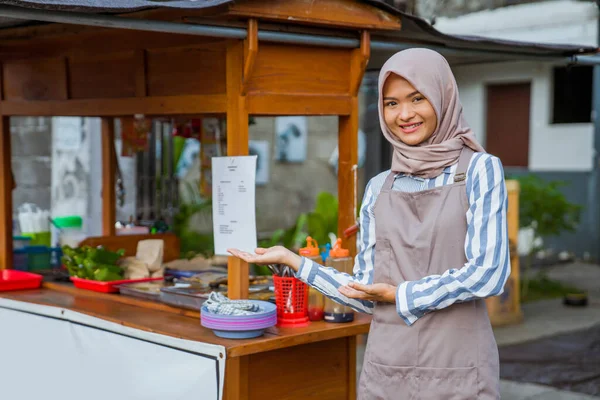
[(450, 354)]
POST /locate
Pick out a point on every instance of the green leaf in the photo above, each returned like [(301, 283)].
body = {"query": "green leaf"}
[(327, 207), (543, 206), (317, 228), (300, 232)]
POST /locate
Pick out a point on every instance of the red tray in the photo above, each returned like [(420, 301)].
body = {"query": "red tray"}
[(106, 287), (11, 279)]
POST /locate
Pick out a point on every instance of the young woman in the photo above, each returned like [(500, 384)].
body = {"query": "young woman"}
[(433, 243)]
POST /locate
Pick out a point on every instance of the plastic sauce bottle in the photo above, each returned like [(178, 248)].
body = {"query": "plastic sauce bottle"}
[(339, 259), (316, 300)]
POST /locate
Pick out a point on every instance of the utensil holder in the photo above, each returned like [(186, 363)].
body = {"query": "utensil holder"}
[(291, 299)]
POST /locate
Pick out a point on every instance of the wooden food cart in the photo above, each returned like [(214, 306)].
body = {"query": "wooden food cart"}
[(73, 70)]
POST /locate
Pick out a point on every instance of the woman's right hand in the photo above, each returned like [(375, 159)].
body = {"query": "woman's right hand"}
[(271, 255)]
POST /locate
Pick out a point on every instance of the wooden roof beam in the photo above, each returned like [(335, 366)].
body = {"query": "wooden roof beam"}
[(335, 13), (251, 48)]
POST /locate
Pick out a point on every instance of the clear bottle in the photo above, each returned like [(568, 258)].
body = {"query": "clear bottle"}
[(339, 259), (316, 300)]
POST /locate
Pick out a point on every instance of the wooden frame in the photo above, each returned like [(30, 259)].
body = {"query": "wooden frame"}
[(109, 210), (311, 81), (59, 70), (6, 187)]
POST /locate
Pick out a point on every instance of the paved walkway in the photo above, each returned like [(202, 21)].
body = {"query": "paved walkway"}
[(528, 391), (548, 318)]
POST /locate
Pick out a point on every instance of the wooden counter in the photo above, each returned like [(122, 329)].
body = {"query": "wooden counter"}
[(317, 361)]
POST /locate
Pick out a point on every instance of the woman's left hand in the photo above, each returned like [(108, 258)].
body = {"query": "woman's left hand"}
[(376, 292), (272, 255)]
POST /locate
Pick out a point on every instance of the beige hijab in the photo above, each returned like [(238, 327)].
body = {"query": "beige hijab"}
[(430, 74)]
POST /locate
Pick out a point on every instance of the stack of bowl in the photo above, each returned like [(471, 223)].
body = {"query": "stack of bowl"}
[(241, 326)]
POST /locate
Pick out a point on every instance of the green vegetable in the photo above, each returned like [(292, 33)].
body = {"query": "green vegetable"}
[(102, 256), (89, 266), (105, 275), (81, 273), (78, 259), (112, 268), (93, 263)]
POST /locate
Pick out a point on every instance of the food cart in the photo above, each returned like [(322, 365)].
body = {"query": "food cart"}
[(74, 70), (262, 58)]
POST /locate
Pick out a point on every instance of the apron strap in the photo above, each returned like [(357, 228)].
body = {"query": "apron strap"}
[(389, 182), (463, 164)]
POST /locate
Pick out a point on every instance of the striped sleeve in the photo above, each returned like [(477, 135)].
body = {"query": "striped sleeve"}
[(328, 280), (486, 249)]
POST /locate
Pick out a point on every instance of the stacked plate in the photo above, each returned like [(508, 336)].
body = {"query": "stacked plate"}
[(241, 326)]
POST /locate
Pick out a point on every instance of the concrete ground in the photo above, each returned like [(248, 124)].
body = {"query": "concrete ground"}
[(550, 317), (547, 318), (528, 391)]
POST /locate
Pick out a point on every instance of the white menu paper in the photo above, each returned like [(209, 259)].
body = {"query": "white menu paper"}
[(234, 216)]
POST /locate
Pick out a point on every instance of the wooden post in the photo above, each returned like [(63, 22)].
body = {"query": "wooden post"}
[(236, 378), (6, 187), (506, 309), (348, 158), (351, 340), (236, 375), (514, 191), (348, 147), (237, 145), (109, 212)]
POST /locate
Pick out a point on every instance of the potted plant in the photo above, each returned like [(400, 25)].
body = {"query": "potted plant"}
[(544, 209)]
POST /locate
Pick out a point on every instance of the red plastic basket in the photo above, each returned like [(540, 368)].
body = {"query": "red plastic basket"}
[(11, 279), (291, 299), (106, 287)]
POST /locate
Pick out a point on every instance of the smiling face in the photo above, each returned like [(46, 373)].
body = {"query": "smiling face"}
[(407, 113)]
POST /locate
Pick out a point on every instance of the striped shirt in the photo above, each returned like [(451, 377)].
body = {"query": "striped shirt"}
[(486, 246)]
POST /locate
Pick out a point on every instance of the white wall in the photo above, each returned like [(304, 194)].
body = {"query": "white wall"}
[(559, 22), (552, 147)]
